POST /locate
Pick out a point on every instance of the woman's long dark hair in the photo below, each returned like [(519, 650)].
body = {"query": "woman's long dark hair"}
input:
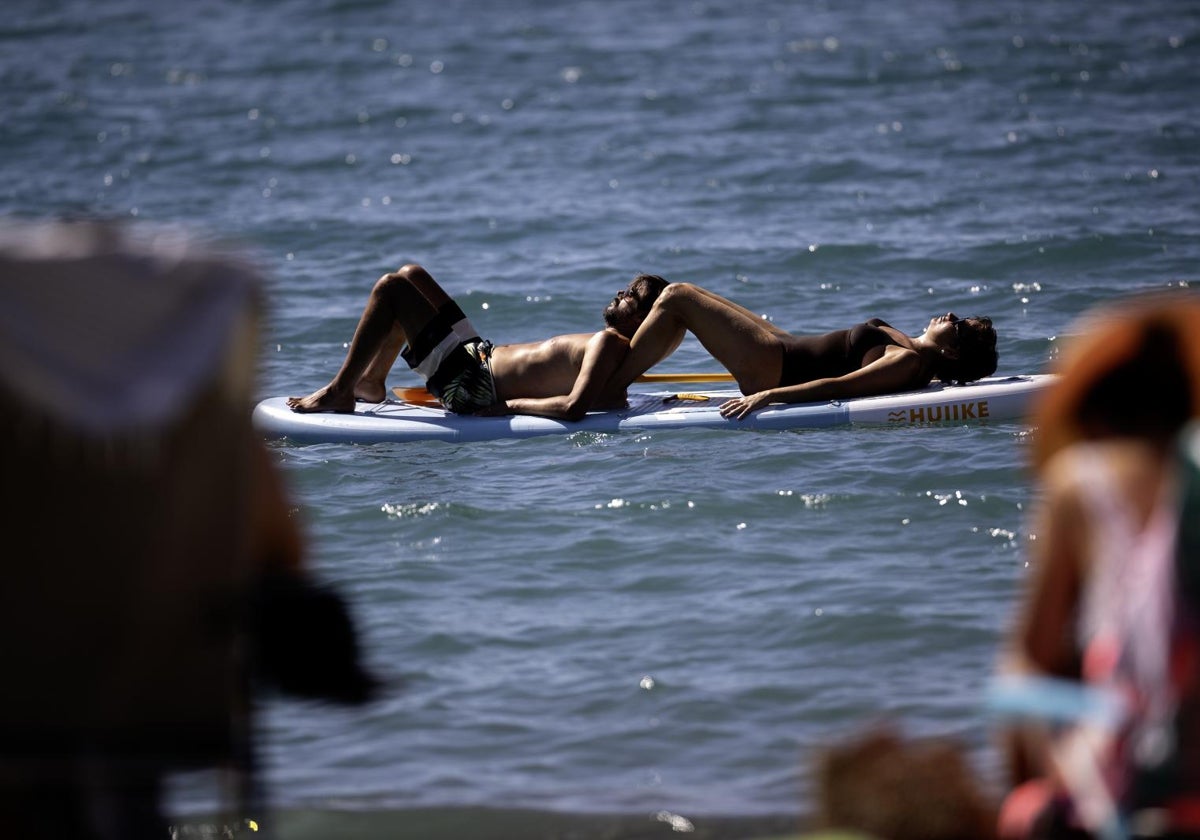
[(977, 356)]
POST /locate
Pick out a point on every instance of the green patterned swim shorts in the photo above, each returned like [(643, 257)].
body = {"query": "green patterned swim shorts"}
[(454, 361), (468, 385)]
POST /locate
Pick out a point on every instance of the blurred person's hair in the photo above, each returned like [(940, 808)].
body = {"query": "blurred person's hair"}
[(1127, 369)]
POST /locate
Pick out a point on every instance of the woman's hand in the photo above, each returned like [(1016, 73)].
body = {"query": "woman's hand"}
[(742, 406)]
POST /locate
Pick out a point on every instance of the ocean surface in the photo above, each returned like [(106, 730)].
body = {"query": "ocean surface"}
[(658, 624)]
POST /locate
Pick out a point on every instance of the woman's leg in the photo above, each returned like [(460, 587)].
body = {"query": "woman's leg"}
[(747, 345)]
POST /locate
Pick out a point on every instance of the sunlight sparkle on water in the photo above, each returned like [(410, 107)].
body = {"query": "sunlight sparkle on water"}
[(401, 511)]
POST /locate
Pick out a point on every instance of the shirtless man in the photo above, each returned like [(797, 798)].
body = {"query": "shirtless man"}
[(772, 365), (408, 313)]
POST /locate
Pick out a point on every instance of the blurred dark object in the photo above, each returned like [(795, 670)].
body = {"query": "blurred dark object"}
[(304, 642), (893, 788)]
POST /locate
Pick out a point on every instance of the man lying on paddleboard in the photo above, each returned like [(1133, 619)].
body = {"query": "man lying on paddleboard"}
[(409, 314)]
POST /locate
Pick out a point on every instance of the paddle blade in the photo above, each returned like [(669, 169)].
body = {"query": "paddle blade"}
[(417, 396)]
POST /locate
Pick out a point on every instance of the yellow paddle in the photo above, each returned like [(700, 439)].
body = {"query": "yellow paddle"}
[(723, 376), (420, 396)]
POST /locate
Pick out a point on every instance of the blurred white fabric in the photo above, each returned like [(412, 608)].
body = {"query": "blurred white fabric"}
[(109, 330)]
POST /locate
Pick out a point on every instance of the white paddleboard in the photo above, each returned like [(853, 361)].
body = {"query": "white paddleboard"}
[(996, 399)]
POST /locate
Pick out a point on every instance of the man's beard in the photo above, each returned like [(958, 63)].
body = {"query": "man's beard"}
[(610, 318)]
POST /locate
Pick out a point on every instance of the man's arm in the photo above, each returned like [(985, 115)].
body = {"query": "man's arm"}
[(602, 355)]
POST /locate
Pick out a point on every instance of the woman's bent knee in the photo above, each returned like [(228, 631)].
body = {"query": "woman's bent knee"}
[(675, 294)]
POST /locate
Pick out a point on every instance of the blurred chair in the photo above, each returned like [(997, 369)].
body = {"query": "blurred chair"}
[(141, 517)]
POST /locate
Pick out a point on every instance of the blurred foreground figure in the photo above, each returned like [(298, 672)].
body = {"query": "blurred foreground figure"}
[(149, 552), (881, 786), (1104, 663)]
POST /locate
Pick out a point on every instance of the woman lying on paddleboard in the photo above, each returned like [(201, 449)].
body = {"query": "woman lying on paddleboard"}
[(773, 366)]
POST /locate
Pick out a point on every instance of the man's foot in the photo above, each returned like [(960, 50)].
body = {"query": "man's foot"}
[(325, 399), (372, 392)]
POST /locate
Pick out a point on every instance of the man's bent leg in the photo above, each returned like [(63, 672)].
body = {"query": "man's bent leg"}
[(396, 308), (372, 385)]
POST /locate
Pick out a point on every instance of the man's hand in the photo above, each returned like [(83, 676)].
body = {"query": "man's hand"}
[(496, 409)]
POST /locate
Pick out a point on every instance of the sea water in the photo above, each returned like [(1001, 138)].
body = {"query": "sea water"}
[(668, 622)]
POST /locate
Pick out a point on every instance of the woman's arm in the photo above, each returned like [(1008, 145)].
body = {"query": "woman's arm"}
[(898, 369)]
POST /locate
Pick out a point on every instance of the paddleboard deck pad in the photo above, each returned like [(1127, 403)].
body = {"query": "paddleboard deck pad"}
[(996, 399)]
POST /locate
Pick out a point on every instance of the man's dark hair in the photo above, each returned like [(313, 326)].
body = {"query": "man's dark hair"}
[(977, 356), (652, 286)]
